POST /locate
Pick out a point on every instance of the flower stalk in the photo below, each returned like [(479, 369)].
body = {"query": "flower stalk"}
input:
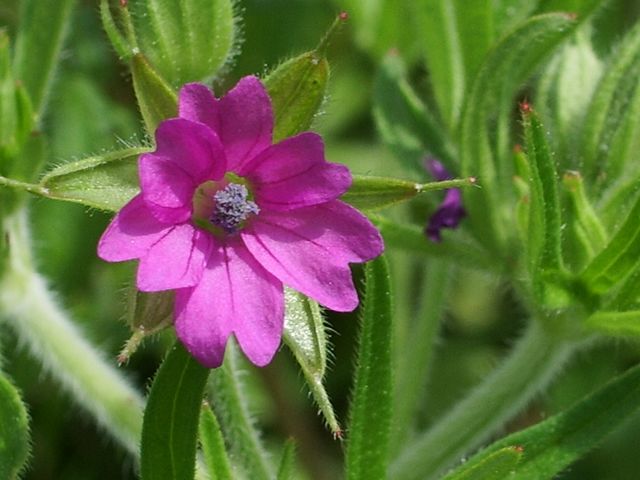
[(30, 309)]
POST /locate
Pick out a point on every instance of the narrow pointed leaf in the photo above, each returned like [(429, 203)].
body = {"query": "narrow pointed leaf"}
[(552, 445), (404, 122), (119, 43), (618, 258), (105, 182), (14, 431), (304, 334), (212, 441), (186, 41), (43, 24), (371, 406), (287, 462), (496, 466), (170, 425), (156, 99), (617, 324)]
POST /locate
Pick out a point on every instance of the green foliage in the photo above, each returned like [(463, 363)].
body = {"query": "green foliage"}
[(497, 466), (215, 454), (304, 334), (187, 41), (14, 431), (287, 462), (168, 447), (367, 453), (552, 445)]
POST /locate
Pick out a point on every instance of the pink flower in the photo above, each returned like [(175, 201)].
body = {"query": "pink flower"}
[(226, 218)]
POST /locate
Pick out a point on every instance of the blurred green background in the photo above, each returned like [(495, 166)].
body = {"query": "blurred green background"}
[(92, 109)]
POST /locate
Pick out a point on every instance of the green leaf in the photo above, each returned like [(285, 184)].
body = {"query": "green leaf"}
[(617, 324), (373, 193), (118, 41), (229, 401), (39, 40), (304, 334), (618, 258), (552, 445), (544, 242), (215, 453), (371, 406), (486, 148), (404, 123), (156, 99), (170, 425), (613, 118), (14, 431), (496, 466), (185, 41), (105, 182), (287, 462)]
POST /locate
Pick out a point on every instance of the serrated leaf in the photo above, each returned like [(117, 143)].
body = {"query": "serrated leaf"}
[(186, 41), (404, 122), (618, 258), (297, 89), (304, 334), (170, 425), (39, 40), (212, 441), (496, 466), (371, 406), (156, 99), (552, 445), (106, 182), (14, 431)]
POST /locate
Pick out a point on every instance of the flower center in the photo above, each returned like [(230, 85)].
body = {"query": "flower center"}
[(223, 207), (232, 207)]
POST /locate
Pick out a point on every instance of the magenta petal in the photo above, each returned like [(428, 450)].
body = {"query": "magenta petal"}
[(310, 249), (235, 295), (167, 188), (175, 261), (131, 233), (246, 122), (193, 147), (198, 104), (294, 174)]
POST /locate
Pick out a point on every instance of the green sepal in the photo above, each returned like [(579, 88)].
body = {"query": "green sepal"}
[(106, 182), (618, 258), (304, 334), (496, 466), (213, 449), (286, 469), (118, 41), (371, 406), (186, 41), (14, 431), (404, 122), (552, 445), (374, 193), (171, 416), (156, 99), (297, 88)]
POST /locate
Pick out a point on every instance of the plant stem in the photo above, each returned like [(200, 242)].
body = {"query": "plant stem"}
[(530, 367), (30, 309), (28, 187)]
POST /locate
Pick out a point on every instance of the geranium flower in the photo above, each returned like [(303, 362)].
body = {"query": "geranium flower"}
[(226, 218), (450, 212)]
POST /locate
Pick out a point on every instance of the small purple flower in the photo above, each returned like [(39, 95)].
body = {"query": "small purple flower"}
[(226, 218), (450, 212)]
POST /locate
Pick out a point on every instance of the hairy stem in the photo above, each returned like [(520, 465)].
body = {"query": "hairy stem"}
[(531, 366), (31, 310)]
